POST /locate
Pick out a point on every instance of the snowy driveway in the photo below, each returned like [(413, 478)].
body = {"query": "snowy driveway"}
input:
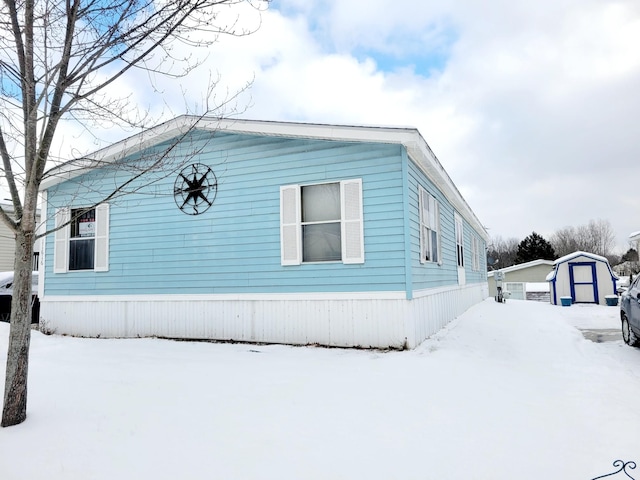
[(506, 391)]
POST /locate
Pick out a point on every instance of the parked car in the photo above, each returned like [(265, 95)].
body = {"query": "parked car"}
[(6, 293), (630, 314)]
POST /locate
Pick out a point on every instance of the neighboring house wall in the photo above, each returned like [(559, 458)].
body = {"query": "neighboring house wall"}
[(7, 248), (530, 272), (220, 275), (7, 244)]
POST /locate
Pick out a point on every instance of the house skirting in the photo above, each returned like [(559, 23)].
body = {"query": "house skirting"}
[(369, 320)]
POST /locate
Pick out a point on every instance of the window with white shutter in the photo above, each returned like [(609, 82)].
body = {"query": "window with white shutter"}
[(475, 253), (429, 227), (322, 223), (352, 226), (101, 263), (290, 225), (459, 241), (61, 242), (82, 241)]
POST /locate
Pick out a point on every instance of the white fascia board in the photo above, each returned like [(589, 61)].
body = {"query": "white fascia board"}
[(118, 150), (183, 124), (424, 157)]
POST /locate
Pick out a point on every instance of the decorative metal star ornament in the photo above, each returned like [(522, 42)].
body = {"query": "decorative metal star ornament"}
[(195, 189)]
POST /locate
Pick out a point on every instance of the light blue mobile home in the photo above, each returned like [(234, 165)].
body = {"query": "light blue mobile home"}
[(260, 231)]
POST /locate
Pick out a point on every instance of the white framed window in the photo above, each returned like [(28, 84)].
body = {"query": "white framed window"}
[(322, 223), (475, 253), (82, 242), (429, 227), (459, 241)]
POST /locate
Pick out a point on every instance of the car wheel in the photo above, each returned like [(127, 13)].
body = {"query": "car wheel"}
[(627, 334)]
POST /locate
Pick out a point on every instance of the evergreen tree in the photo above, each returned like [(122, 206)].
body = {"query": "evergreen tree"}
[(534, 247), (630, 256)]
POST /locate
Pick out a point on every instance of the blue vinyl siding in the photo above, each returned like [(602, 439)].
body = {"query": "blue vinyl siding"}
[(234, 247), (480, 275), (432, 275)]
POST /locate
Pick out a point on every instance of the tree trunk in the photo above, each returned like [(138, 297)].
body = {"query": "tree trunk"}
[(15, 389)]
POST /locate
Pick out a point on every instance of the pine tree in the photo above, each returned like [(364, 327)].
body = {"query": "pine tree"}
[(630, 256), (534, 247)]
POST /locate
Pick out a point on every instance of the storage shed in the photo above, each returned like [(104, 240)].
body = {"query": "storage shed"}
[(585, 277)]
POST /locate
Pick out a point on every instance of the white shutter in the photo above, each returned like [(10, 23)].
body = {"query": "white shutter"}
[(438, 234), (290, 231), (352, 222), (101, 259), (61, 242), (422, 203)]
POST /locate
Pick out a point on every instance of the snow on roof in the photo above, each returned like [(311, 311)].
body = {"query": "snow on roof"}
[(520, 266), (580, 254), (634, 236)]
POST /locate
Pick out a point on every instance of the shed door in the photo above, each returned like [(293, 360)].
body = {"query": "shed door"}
[(584, 282)]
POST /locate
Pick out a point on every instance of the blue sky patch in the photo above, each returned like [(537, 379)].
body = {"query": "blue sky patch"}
[(424, 52), (421, 64), (421, 49)]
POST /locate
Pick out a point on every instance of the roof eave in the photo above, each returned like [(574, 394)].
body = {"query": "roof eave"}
[(409, 137)]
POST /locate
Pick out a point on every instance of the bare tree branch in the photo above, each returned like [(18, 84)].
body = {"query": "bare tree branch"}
[(59, 61)]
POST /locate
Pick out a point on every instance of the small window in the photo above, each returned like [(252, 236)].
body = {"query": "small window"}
[(321, 236), (82, 241), (429, 227)]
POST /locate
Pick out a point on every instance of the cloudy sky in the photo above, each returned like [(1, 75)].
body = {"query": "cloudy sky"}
[(532, 107)]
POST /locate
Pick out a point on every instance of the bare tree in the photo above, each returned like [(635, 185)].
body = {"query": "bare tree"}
[(564, 241), (502, 253), (60, 60), (595, 237), (602, 237)]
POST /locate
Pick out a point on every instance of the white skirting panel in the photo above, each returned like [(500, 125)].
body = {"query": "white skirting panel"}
[(370, 321), (432, 309)]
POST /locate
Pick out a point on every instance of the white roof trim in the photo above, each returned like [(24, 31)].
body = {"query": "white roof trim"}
[(409, 137), (634, 237), (580, 254)]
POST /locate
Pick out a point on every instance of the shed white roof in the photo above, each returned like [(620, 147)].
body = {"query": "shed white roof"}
[(580, 254), (573, 255)]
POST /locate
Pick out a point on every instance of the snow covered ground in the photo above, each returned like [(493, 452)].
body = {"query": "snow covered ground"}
[(505, 391)]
